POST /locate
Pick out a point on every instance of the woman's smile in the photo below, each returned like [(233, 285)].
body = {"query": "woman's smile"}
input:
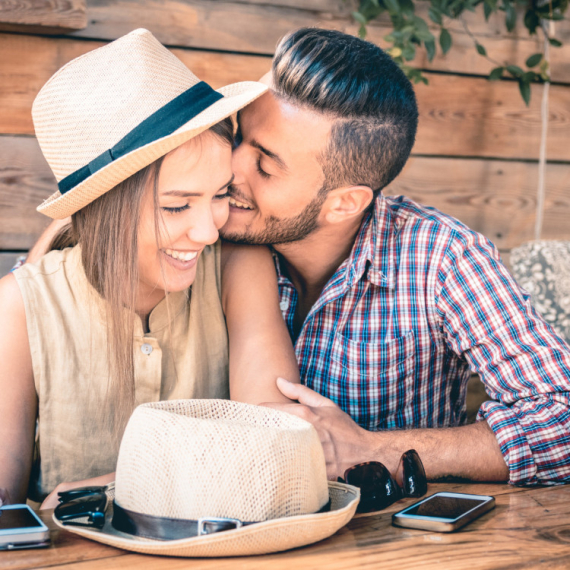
[(180, 259)]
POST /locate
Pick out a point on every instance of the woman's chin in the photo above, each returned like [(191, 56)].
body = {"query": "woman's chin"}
[(178, 274)]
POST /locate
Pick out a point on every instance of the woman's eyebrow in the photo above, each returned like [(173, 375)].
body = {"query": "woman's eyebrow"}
[(185, 194)]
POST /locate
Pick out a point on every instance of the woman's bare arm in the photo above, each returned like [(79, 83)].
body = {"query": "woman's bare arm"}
[(18, 401), (260, 346)]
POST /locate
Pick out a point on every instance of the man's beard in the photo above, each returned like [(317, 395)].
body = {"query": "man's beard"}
[(283, 230)]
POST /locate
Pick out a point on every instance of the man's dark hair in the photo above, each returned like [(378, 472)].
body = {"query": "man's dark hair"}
[(368, 95)]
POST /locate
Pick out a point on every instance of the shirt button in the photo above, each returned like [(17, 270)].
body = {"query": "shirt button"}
[(146, 348), (284, 305)]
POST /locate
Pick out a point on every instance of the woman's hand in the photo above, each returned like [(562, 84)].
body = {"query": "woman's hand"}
[(4, 497), (52, 500)]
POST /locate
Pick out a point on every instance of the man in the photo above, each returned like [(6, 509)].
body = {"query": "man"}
[(390, 304)]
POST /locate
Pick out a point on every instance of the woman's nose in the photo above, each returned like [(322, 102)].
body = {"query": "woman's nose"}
[(205, 231)]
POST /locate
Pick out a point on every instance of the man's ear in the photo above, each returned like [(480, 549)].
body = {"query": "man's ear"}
[(346, 203)]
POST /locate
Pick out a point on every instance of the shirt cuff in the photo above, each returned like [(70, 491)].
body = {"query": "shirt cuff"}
[(512, 441), (19, 262)]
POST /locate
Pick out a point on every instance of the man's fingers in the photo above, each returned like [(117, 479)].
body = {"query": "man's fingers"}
[(302, 394)]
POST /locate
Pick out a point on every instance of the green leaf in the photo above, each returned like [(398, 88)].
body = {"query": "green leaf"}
[(445, 40), (481, 49), (435, 15), (531, 21), (524, 87), (362, 32), (529, 76), (487, 10), (430, 48), (360, 18), (554, 42), (407, 6), (496, 74), (534, 59), (514, 70), (409, 52), (424, 36), (510, 18), (392, 5)]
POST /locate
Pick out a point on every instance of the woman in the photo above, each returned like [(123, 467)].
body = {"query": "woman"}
[(142, 153)]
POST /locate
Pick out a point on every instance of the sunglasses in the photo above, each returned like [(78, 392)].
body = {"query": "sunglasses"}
[(84, 506), (379, 490)]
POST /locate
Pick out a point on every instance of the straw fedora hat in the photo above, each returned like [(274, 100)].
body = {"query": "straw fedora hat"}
[(224, 478), (113, 111)]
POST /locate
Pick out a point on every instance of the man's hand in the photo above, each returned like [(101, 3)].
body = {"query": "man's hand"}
[(344, 442), (469, 452)]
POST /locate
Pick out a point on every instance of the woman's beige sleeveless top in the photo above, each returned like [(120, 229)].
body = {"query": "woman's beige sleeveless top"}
[(185, 355)]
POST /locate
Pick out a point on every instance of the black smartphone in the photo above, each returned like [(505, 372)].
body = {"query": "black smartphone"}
[(444, 512), (20, 527)]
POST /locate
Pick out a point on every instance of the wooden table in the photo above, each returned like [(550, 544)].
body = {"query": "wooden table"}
[(529, 528)]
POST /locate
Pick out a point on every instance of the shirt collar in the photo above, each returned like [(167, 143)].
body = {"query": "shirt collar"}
[(374, 247)]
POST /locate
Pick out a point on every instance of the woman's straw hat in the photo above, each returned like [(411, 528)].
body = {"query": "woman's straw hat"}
[(213, 465), (113, 111)]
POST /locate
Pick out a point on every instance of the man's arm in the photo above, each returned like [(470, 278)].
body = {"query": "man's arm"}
[(469, 452), (524, 364), (523, 435)]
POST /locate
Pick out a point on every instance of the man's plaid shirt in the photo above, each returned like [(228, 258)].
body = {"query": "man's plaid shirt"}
[(421, 301)]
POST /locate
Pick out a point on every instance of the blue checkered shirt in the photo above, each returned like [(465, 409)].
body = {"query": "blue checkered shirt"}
[(421, 302)]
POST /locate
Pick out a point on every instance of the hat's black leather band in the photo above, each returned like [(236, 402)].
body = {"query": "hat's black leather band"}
[(163, 528), (160, 124)]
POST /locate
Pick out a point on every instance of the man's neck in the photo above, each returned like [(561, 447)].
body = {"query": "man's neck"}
[(310, 263)]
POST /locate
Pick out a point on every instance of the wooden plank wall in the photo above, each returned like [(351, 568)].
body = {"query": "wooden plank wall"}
[(477, 147)]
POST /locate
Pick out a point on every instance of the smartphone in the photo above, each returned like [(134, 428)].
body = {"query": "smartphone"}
[(444, 512), (20, 527)]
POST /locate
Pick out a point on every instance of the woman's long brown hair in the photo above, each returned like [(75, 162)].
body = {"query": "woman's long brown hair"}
[(107, 230)]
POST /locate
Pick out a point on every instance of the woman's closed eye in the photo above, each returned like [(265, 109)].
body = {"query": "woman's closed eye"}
[(176, 209)]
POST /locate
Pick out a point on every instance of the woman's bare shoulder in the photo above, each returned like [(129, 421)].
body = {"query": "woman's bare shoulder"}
[(11, 300)]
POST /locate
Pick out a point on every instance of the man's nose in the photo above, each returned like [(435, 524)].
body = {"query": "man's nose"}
[(238, 165)]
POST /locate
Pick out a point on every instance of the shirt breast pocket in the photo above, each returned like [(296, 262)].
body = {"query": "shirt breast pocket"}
[(374, 382)]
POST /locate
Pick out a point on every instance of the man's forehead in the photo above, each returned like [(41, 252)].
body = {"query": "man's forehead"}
[(278, 119)]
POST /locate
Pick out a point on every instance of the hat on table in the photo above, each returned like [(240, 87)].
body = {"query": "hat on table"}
[(220, 478), (113, 111)]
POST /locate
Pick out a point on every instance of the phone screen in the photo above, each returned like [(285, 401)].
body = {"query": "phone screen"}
[(444, 507), (17, 518)]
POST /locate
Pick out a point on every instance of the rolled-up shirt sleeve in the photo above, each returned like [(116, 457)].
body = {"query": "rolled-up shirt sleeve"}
[(525, 366)]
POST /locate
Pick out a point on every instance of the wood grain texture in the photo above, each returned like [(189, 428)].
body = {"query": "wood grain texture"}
[(256, 26), (42, 16), (27, 62), (529, 528), (496, 198), (465, 116), (469, 116), (25, 181)]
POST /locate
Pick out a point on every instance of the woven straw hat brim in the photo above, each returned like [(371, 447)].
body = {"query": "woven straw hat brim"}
[(262, 538), (236, 96)]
